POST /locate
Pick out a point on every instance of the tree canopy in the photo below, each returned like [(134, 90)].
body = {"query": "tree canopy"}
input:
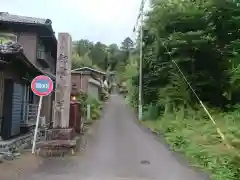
[(102, 56), (202, 37)]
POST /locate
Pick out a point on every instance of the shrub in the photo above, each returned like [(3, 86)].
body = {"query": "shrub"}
[(191, 133)]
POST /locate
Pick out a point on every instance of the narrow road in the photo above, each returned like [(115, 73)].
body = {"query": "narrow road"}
[(118, 149)]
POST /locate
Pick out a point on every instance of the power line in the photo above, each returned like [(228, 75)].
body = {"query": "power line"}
[(143, 2)]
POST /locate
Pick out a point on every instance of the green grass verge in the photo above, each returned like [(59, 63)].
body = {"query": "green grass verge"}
[(194, 135)]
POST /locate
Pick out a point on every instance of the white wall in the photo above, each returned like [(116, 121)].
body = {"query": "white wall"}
[(93, 90)]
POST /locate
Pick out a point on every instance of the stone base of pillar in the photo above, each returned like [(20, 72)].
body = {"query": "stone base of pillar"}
[(59, 142), (60, 134)]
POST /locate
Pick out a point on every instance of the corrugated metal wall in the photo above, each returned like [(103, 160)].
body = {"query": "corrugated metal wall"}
[(17, 108), (25, 103)]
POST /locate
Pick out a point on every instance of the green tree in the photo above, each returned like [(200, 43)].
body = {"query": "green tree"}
[(197, 41), (126, 48), (81, 61), (98, 55), (82, 47)]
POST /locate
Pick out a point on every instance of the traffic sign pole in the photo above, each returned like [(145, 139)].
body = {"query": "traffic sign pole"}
[(37, 124), (41, 86)]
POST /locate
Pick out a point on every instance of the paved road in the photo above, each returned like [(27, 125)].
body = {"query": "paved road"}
[(115, 151)]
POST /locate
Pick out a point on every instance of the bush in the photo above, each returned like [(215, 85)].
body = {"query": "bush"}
[(104, 95), (151, 112), (193, 134), (96, 107), (82, 97)]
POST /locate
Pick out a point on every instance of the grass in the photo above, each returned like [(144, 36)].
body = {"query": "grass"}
[(194, 135)]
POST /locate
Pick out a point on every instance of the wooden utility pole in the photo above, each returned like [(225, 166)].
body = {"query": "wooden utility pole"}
[(63, 81)]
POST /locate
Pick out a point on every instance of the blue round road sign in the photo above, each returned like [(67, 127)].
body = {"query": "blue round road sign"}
[(42, 85)]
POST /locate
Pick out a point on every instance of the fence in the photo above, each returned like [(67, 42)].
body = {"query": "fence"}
[(30, 115)]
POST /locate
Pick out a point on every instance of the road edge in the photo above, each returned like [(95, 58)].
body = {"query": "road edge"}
[(158, 136)]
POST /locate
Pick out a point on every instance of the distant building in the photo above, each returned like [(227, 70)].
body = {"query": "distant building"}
[(87, 80)]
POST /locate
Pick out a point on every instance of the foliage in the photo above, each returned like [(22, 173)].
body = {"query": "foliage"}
[(195, 38), (203, 146), (151, 111), (82, 47), (82, 98), (81, 61), (191, 34), (126, 82), (95, 107), (104, 95), (102, 56)]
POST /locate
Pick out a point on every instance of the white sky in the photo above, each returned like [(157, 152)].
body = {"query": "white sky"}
[(108, 21)]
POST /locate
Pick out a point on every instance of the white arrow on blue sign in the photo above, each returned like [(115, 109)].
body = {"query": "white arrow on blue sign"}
[(42, 85)]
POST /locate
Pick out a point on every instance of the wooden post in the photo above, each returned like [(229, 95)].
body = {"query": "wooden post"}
[(63, 81)]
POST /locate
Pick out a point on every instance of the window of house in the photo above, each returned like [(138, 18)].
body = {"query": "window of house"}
[(40, 50), (7, 37), (74, 85)]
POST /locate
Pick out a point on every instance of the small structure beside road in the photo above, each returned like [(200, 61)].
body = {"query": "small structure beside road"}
[(89, 80), (82, 77)]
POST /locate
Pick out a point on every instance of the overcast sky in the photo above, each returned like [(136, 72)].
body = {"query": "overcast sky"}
[(108, 21)]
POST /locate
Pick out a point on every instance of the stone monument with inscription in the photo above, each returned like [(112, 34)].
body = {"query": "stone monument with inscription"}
[(63, 81), (60, 139)]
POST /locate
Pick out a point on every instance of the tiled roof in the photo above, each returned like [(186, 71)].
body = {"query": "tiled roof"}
[(16, 48), (6, 17), (10, 48)]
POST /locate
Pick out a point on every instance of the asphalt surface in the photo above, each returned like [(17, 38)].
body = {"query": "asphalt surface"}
[(117, 149)]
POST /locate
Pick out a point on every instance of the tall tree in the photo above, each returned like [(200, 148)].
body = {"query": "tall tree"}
[(82, 46), (113, 55), (81, 61), (127, 44), (126, 47), (98, 54), (202, 38)]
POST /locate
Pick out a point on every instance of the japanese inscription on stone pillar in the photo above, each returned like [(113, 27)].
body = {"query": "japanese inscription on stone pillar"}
[(63, 81)]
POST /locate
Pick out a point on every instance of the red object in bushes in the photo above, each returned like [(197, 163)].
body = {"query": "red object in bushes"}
[(75, 116)]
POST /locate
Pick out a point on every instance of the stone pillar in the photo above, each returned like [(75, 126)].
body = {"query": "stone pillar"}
[(63, 81)]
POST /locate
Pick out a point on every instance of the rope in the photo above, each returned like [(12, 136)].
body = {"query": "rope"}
[(201, 103)]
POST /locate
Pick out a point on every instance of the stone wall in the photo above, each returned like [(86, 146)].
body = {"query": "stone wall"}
[(19, 143)]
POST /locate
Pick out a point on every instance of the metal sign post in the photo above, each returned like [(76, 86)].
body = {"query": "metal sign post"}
[(41, 86), (37, 123), (88, 112)]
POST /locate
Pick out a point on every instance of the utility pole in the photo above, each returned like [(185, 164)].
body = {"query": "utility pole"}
[(140, 63)]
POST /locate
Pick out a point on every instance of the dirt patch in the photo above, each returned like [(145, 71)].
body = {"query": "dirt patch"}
[(24, 164)]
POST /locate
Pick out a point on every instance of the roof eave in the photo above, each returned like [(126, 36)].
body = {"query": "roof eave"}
[(48, 26), (88, 68)]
